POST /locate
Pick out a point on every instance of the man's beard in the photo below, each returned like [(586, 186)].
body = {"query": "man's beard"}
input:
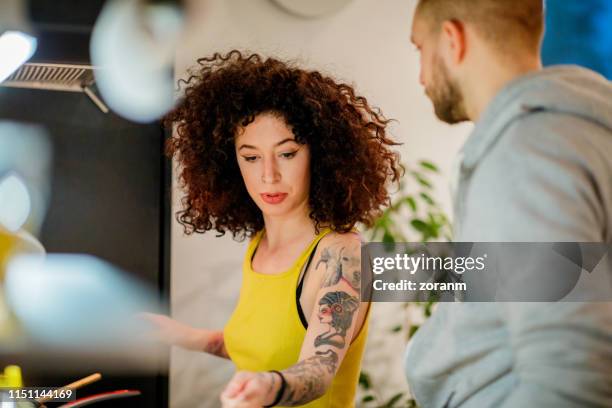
[(446, 96)]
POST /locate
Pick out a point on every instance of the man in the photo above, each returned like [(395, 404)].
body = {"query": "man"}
[(537, 167)]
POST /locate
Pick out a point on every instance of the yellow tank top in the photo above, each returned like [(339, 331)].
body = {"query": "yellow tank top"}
[(265, 331)]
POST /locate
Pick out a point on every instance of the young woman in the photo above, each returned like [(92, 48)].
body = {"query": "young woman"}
[(293, 160)]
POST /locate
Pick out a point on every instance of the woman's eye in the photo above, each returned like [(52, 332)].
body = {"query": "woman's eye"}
[(250, 158), (288, 155)]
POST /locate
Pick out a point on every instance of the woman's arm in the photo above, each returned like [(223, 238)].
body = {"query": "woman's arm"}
[(175, 333), (329, 334), (332, 322)]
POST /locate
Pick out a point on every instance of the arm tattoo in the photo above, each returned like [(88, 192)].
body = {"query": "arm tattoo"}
[(340, 266), (336, 309), (216, 345), (306, 379)]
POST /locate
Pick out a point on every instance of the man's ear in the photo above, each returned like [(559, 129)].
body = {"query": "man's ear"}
[(453, 41)]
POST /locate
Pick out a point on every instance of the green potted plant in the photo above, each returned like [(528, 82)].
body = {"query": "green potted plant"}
[(414, 216)]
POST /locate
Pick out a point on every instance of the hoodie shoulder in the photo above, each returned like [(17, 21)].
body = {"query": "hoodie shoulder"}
[(568, 94), (547, 178)]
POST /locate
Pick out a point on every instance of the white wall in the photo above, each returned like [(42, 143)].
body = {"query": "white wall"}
[(366, 44)]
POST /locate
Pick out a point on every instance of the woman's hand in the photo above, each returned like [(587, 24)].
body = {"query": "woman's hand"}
[(172, 332), (250, 390)]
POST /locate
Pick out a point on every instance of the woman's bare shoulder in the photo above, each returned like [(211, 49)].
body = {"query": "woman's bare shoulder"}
[(335, 239), (338, 258)]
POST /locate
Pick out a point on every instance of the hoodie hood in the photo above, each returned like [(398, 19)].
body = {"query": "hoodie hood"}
[(563, 89)]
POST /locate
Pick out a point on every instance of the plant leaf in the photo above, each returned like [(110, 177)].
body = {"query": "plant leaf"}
[(364, 380), (427, 310), (427, 198), (423, 181), (426, 164), (411, 203), (393, 400), (411, 404), (413, 329), (367, 398), (388, 240), (420, 225)]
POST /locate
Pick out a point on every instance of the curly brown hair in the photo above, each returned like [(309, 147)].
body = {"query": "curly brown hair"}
[(351, 161)]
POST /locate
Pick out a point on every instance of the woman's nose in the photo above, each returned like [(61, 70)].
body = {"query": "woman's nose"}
[(270, 172)]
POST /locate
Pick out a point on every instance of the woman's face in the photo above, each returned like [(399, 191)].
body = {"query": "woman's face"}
[(274, 167), (325, 314)]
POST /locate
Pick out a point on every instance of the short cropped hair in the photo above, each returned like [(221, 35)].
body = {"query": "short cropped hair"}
[(504, 23)]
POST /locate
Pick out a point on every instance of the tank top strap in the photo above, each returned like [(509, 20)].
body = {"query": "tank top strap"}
[(298, 263), (253, 244), (307, 254)]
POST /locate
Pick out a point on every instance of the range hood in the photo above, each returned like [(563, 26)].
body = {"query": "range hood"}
[(56, 77)]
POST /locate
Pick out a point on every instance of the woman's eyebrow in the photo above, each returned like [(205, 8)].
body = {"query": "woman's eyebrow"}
[(246, 146), (285, 141)]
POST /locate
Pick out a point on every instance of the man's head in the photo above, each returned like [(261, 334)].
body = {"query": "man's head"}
[(459, 39)]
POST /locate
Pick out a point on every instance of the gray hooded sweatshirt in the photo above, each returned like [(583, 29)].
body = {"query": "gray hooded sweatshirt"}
[(538, 167)]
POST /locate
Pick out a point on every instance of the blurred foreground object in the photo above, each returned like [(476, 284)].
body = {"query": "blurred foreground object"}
[(17, 45), (133, 45), (24, 167), (11, 378), (77, 301), (25, 160), (15, 49), (11, 244)]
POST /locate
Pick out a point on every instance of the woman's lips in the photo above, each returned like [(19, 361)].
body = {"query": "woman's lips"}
[(274, 198)]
